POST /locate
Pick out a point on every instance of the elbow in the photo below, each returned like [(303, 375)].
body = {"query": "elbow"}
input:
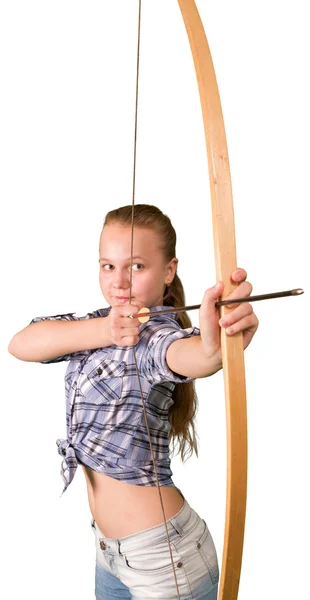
[(15, 349), (11, 346)]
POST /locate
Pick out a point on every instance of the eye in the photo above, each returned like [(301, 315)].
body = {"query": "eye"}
[(107, 267), (137, 267)]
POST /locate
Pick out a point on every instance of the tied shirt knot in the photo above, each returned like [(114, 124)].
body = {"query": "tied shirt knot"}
[(69, 463)]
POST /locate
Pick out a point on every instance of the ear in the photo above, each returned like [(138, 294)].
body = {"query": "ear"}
[(171, 270)]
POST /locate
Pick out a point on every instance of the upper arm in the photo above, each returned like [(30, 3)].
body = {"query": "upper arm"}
[(172, 353), (154, 363)]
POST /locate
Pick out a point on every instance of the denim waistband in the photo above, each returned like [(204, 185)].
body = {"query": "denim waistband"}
[(182, 522)]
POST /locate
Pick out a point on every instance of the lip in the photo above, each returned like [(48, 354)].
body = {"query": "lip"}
[(122, 298)]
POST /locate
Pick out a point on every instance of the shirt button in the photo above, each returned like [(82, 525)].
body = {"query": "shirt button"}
[(179, 565), (103, 545), (99, 371), (198, 546)]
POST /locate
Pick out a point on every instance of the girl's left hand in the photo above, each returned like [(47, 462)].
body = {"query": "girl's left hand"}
[(241, 318)]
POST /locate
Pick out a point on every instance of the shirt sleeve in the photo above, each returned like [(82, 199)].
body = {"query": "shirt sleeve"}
[(154, 364), (67, 317)]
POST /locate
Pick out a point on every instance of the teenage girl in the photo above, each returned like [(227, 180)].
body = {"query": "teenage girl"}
[(106, 429)]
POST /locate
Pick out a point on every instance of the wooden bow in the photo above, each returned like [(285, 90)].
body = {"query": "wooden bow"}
[(225, 258)]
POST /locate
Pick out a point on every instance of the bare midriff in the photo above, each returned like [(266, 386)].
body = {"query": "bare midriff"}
[(121, 508)]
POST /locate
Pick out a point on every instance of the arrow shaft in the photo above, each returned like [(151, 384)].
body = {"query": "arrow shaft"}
[(295, 292)]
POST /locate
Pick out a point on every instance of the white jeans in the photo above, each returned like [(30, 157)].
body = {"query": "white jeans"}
[(138, 566)]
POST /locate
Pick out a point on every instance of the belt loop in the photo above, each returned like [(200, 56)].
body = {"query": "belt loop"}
[(119, 547)]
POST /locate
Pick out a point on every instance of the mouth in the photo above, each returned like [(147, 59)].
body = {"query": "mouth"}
[(122, 298)]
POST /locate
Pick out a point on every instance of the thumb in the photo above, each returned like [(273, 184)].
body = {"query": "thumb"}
[(211, 296)]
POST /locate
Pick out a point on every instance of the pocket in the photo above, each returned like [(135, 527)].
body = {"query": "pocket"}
[(206, 548), (105, 382), (153, 560)]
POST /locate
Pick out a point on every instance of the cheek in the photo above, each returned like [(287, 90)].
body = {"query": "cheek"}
[(149, 281), (103, 280)]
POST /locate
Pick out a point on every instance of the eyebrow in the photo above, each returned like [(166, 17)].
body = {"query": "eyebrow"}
[(127, 259)]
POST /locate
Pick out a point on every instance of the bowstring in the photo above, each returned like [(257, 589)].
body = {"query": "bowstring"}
[(130, 290)]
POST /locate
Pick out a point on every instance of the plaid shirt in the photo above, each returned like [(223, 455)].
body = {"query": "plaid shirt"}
[(104, 414)]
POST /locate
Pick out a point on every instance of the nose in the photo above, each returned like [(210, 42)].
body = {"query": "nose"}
[(121, 279)]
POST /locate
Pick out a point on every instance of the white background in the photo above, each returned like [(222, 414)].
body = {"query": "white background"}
[(67, 119)]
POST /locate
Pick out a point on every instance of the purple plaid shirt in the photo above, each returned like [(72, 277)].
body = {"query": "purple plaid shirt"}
[(104, 414)]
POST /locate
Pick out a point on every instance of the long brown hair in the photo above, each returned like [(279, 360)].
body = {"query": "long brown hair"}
[(182, 413)]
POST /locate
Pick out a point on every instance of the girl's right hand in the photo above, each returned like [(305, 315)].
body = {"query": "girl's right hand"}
[(124, 331)]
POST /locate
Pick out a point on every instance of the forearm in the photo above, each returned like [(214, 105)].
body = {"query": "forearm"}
[(48, 339), (187, 357)]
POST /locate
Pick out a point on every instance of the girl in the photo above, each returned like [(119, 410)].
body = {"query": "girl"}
[(106, 429)]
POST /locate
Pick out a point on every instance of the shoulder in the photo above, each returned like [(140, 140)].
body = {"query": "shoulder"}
[(161, 326), (156, 336), (158, 323), (99, 312)]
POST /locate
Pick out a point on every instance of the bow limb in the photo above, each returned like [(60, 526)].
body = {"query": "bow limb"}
[(225, 258)]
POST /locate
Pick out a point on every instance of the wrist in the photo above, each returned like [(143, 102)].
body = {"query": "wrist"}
[(101, 332), (212, 360)]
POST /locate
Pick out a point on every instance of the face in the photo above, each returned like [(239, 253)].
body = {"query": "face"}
[(150, 272)]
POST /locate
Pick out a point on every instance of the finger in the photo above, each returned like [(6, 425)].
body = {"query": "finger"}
[(239, 275), (120, 314), (210, 297), (119, 334), (129, 323), (242, 291), (248, 323), (128, 309), (242, 310), (129, 341), (121, 323), (131, 309), (132, 331)]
